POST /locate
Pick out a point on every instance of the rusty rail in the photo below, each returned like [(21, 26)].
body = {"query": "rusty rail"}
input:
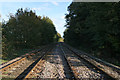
[(25, 75), (92, 63), (74, 77), (14, 62)]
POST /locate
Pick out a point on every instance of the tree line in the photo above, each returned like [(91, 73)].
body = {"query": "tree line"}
[(94, 27), (27, 30)]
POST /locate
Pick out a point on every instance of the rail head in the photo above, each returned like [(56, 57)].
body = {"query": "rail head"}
[(96, 59), (19, 59), (26, 73), (74, 76), (113, 67)]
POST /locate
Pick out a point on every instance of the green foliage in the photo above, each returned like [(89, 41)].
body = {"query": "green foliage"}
[(61, 40), (57, 37), (94, 27), (26, 30)]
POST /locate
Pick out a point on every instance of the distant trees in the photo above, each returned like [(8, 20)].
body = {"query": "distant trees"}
[(59, 38), (94, 27), (0, 38), (26, 30)]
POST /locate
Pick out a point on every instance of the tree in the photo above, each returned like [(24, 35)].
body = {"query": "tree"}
[(94, 27), (27, 30)]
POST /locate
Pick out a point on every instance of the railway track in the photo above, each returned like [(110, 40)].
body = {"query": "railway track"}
[(69, 66), (107, 68), (47, 67), (40, 67), (17, 60), (56, 61), (13, 68), (34, 67), (83, 69)]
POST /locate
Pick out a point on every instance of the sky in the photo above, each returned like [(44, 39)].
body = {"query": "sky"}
[(54, 10)]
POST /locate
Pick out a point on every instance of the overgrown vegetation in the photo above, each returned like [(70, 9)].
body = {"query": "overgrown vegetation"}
[(95, 28), (60, 39), (26, 30)]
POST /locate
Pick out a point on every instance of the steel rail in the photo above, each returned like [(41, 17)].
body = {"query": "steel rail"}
[(26, 73), (74, 77), (12, 63), (97, 67)]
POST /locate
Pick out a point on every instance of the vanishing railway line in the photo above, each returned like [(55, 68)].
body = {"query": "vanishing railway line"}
[(83, 69), (33, 66), (17, 60), (15, 67), (58, 61), (112, 71)]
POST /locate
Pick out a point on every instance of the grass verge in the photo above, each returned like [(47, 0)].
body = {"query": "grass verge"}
[(15, 54)]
